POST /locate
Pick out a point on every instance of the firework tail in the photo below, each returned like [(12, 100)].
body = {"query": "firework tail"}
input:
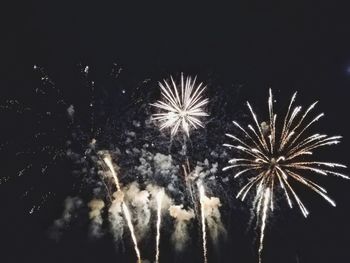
[(159, 197), (267, 196), (131, 228), (126, 211), (204, 233)]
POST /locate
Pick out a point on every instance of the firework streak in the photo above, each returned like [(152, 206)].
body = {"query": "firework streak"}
[(126, 211), (204, 232), (159, 197)]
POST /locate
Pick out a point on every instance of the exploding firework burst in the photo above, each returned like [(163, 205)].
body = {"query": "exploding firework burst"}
[(273, 156), (181, 107)]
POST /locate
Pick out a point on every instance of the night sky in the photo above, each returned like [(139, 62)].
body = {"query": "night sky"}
[(239, 50)]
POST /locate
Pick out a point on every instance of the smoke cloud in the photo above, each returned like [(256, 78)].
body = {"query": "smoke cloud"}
[(182, 218), (115, 216), (71, 205), (213, 217), (138, 201), (154, 190), (96, 206)]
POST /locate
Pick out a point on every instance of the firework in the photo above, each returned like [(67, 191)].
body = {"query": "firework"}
[(181, 107), (204, 231), (266, 198), (160, 196), (275, 156), (126, 211)]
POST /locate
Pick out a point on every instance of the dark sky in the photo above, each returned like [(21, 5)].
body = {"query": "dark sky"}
[(288, 47)]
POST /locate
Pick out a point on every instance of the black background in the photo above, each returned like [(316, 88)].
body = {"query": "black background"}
[(289, 47)]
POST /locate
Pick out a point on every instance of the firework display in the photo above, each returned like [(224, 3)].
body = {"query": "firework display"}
[(144, 187)]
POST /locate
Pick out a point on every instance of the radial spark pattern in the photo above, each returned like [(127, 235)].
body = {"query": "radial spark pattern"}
[(181, 107), (274, 155)]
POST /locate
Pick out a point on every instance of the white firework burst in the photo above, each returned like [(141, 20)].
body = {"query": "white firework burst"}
[(273, 156), (182, 106)]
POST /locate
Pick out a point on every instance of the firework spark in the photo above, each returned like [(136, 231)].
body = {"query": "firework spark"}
[(126, 211), (160, 196), (275, 157), (181, 107), (204, 231), (266, 198)]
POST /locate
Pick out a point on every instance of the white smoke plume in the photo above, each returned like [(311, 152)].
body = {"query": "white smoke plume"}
[(182, 218), (71, 205), (115, 216), (154, 190), (70, 112), (138, 201), (213, 217), (163, 163), (96, 206), (204, 170), (158, 166)]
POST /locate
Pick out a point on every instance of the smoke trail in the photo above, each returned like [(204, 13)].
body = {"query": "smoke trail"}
[(182, 217), (263, 223), (71, 205), (160, 196), (204, 234), (96, 206), (139, 205), (126, 212), (213, 218), (115, 215)]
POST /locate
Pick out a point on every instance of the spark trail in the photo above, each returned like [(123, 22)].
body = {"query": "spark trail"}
[(266, 197), (159, 197), (126, 211), (204, 232)]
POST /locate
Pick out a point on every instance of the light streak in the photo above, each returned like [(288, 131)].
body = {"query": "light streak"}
[(204, 232), (126, 211), (159, 197)]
